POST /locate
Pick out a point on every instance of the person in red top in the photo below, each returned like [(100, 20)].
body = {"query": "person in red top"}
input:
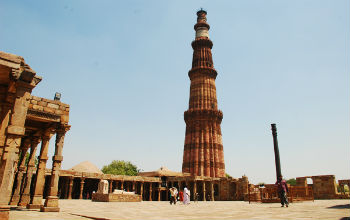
[(282, 190), (181, 196)]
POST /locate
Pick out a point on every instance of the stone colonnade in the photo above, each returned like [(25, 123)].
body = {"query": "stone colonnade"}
[(23, 180), (25, 121), (82, 187)]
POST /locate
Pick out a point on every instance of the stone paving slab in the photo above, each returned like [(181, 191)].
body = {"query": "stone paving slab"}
[(86, 209)]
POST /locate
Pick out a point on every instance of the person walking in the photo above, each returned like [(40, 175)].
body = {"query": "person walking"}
[(173, 195), (186, 196), (282, 190)]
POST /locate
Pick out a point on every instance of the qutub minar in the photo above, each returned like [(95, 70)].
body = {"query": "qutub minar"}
[(203, 150)]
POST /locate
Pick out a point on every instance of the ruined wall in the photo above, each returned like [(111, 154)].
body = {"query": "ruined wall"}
[(301, 181), (40, 105), (242, 188), (324, 187), (224, 190)]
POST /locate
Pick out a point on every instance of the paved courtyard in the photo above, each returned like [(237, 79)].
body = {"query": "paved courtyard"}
[(85, 209)]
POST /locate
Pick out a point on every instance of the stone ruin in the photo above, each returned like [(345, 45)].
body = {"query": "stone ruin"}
[(102, 187), (102, 194)]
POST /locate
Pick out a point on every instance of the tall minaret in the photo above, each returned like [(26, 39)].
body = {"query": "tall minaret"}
[(203, 151)]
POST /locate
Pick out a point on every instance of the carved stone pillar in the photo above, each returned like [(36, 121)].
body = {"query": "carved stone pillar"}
[(110, 186), (141, 190), (82, 181), (20, 173), (15, 131), (194, 189), (6, 109), (167, 195), (51, 202), (150, 191), (66, 189), (212, 191), (25, 197), (122, 185), (133, 186), (36, 201), (158, 191), (70, 187), (204, 196)]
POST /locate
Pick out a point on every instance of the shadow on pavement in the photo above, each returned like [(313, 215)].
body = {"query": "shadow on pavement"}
[(346, 206), (90, 217)]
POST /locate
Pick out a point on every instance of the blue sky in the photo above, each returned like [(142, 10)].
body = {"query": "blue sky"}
[(122, 66)]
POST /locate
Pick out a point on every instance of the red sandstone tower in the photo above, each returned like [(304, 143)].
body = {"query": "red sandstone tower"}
[(203, 150)]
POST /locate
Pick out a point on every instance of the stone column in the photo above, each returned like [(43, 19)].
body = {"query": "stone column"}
[(70, 187), (158, 191), (194, 189), (82, 181), (21, 168), (25, 197), (6, 109), (204, 196), (122, 185), (51, 202), (141, 190), (12, 140), (212, 190), (133, 186), (66, 188), (126, 186), (110, 186), (150, 191), (40, 172)]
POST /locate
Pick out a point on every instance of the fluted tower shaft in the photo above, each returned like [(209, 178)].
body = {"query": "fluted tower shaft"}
[(203, 150)]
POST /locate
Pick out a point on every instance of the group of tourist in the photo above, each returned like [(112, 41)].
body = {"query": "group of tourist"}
[(183, 195)]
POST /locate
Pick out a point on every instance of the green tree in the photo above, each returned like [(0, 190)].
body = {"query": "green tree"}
[(35, 160), (292, 182), (121, 167), (346, 188), (27, 159), (228, 175)]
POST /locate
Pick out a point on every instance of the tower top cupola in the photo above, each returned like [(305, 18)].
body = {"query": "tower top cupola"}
[(202, 27)]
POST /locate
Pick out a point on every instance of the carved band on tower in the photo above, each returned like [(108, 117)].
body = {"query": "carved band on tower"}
[(203, 150)]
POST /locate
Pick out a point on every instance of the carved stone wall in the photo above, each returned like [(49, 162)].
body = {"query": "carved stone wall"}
[(49, 109)]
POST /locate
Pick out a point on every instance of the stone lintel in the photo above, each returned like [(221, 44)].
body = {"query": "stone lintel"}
[(15, 130)]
